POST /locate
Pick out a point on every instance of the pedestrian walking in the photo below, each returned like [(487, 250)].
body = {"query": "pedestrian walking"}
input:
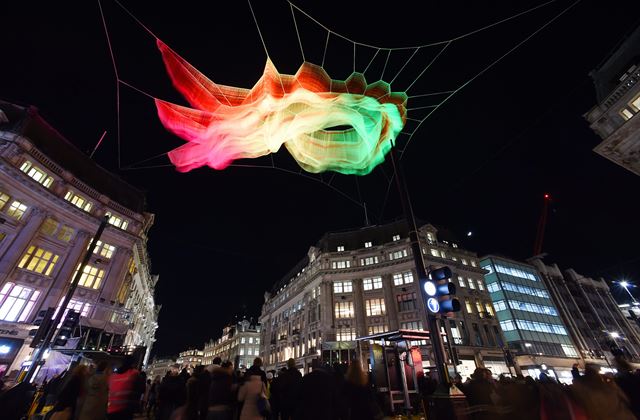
[(125, 388), (94, 405), (288, 387), (359, 399), (253, 396)]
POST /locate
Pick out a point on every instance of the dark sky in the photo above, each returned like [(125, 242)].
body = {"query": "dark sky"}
[(481, 162)]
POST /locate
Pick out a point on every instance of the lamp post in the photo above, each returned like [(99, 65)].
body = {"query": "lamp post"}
[(625, 284)]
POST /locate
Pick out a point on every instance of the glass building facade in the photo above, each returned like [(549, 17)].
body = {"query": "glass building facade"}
[(529, 319)]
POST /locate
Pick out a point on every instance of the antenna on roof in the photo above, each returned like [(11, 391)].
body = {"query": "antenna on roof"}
[(97, 145)]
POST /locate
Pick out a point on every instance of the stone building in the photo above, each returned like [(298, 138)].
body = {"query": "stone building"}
[(616, 117), (239, 343), (160, 367), (189, 359), (52, 199), (594, 320), (363, 281)]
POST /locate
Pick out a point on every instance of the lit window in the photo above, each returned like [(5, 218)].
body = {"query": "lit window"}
[(408, 277), (569, 350), (16, 210), (75, 305), (479, 308), (430, 237), (397, 279), (36, 174), (375, 307), (464, 262), (49, 226), (369, 260), (117, 221), (435, 252), (38, 260), (455, 245), (257, 340), (344, 309), (635, 103), (342, 287), (471, 284), (345, 334), (378, 329), (480, 285), (488, 308), (104, 249), (626, 114), (398, 254), (3, 200), (367, 245), (16, 302), (78, 201), (341, 264), (461, 281), (473, 263), (91, 277), (396, 237), (65, 233), (402, 278), (467, 304), (243, 340), (340, 248), (372, 283)]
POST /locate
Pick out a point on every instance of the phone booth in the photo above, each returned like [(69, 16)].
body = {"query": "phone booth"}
[(396, 368)]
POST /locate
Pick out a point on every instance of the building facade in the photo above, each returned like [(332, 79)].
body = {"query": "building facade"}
[(595, 322), (616, 117), (361, 282), (239, 343), (529, 318), (160, 367), (52, 199), (189, 359)]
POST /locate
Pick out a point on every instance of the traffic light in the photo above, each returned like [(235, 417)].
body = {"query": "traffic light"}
[(440, 292), (43, 321), (69, 323)]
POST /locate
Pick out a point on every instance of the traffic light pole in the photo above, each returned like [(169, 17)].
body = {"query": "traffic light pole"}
[(39, 351), (434, 330)]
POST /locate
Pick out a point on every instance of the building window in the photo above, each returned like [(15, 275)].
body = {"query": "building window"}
[(78, 201), (569, 350), (435, 252), (471, 284), (398, 254), (635, 103), (340, 264), (626, 114), (476, 331), (378, 329), (344, 309), (342, 287), (520, 289), (403, 278), (473, 263), (375, 307), (340, 248), (104, 250), (515, 272), (75, 305), (372, 283), (65, 233), (406, 302), (16, 302), (4, 198), (464, 262), (467, 304), (38, 260), (455, 333), (480, 285), (532, 307), (480, 309), (37, 174), (488, 308), (430, 237), (396, 238), (411, 325), (50, 227), (345, 334), (117, 221), (91, 277), (461, 281), (16, 210), (367, 244), (369, 260)]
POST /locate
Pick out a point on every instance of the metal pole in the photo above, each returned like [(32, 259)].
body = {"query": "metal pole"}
[(39, 351), (434, 330)]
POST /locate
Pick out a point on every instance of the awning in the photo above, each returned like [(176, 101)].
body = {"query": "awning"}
[(399, 335)]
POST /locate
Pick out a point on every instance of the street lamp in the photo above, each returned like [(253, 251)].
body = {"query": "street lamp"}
[(626, 285), (614, 334)]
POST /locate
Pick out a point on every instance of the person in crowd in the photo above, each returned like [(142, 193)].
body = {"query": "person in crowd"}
[(73, 388), (15, 401), (479, 392), (125, 389), (171, 394), (289, 382), (256, 369), (94, 406), (221, 393), (215, 363), (601, 400), (318, 396), (629, 383), (152, 403), (359, 400), (252, 395)]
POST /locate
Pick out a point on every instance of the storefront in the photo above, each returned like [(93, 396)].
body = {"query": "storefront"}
[(12, 346)]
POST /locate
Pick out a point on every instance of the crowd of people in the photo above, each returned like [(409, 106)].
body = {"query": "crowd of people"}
[(341, 392), (591, 396)]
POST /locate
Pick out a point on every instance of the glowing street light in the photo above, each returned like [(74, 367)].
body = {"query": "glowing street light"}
[(614, 334), (626, 285)]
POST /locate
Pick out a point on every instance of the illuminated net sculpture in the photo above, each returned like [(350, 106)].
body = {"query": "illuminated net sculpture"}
[(326, 125)]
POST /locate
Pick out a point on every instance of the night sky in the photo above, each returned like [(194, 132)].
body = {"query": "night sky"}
[(480, 163)]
